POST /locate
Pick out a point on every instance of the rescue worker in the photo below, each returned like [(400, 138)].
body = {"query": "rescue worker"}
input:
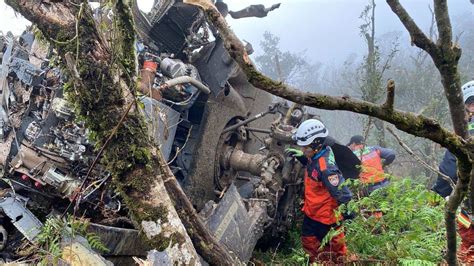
[(323, 192), (443, 188), (373, 159)]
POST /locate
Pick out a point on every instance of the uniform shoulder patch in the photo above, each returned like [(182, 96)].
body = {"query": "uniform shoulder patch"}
[(333, 180), (322, 164)]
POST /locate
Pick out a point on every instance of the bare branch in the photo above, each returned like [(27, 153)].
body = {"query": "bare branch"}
[(417, 158), (416, 34), (445, 56), (443, 24), (417, 125), (433, 23)]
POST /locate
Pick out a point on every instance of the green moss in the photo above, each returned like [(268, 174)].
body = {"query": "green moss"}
[(161, 243), (206, 247), (99, 103)]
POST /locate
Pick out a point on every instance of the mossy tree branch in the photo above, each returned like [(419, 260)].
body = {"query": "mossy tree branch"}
[(446, 60), (417, 125), (445, 32), (445, 56), (98, 100), (104, 80)]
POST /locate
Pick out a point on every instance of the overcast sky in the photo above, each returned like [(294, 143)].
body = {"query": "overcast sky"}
[(327, 29)]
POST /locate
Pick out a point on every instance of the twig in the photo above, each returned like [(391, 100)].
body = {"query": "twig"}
[(77, 31), (366, 135), (101, 182), (178, 150), (417, 36), (425, 164), (275, 252), (433, 23), (76, 37)]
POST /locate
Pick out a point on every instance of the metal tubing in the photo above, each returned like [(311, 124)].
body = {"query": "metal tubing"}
[(187, 79), (259, 130), (246, 121)]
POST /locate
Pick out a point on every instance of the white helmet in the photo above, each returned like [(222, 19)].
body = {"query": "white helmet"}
[(308, 131), (467, 90)]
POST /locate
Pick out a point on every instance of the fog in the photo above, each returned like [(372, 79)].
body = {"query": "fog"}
[(328, 30)]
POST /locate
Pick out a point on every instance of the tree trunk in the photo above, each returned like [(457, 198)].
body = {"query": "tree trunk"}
[(102, 88)]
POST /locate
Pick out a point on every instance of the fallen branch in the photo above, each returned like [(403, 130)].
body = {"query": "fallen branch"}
[(417, 125), (445, 59), (205, 243)]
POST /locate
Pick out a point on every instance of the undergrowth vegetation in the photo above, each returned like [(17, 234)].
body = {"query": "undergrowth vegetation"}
[(409, 231), (411, 227), (55, 230)]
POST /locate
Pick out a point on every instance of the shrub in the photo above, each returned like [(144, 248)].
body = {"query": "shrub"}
[(411, 229)]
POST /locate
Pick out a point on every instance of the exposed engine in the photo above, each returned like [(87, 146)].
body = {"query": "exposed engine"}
[(41, 142), (224, 140)]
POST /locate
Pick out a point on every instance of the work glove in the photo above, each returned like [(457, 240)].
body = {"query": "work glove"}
[(295, 153)]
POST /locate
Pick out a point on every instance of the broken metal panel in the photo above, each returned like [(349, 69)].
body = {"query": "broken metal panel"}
[(14, 206), (234, 226), (26, 72), (30, 162), (171, 30), (26, 41), (120, 241), (162, 123), (215, 65)]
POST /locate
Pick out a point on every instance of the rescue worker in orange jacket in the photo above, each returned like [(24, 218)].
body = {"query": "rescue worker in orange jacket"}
[(323, 192), (373, 159)]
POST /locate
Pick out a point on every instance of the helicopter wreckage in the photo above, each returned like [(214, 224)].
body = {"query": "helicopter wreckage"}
[(223, 138)]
